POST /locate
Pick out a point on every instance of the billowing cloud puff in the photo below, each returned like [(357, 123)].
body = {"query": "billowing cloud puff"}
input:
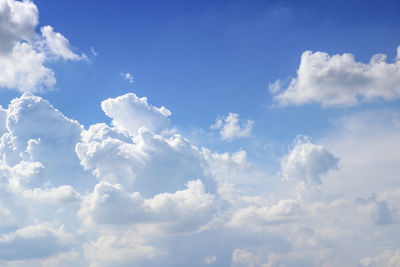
[(183, 210), (18, 22), (306, 162), (149, 162), (131, 113), (231, 127), (23, 53), (340, 80)]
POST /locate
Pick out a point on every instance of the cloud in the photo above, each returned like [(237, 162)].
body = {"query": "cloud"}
[(24, 53), (340, 80), (131, 113), (149, 162), (306, 162), (58, 45), (36, 241), (93, 51), (231, 127), (18, 22), (286, 210), (182, 211), (127, 76), (388, 258), (111, 195), (23, 69)]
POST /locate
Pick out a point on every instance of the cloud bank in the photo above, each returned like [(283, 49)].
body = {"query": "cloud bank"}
[(137, 194)]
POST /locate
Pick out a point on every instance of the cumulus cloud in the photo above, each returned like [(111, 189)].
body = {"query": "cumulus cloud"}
[(18, 22), (131, 113), (230, 127), (340, 80), (306, 162), (150, 162), (24, 53), (23, 69), (183, 210), (111, 195)]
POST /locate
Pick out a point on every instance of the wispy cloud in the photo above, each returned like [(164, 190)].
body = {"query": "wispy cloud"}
[(127, 76)]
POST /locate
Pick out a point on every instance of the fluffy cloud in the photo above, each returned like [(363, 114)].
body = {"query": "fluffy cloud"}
[(131, 113), (231, 127), (18, 22), (22, 69), (340, 80), (112, 196), (23, 53), (183, 210), (149, 162), (306, 162)]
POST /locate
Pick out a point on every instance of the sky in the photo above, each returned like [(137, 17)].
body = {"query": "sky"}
[(199, 133)]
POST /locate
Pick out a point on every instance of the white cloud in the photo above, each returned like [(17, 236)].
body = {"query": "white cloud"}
[(286, 210), (131, 113), (36, 241), (306, 162), (63, 193), (151, 162), (23, 69), (182, 211), (340, 80), (58, 45), (387, 258), (93, 51), (18, 20), (155, 193), (24, 53), (231, 127), (275, 86), (210, 260), (127, 76)]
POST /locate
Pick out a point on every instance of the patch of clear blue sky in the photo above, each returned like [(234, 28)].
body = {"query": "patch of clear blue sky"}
[(206, 58)]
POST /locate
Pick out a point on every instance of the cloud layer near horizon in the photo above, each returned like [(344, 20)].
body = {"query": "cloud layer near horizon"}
[(112, 195)]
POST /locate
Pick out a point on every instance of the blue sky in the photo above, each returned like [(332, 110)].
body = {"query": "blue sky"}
[(199, 133), (188, 55)]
